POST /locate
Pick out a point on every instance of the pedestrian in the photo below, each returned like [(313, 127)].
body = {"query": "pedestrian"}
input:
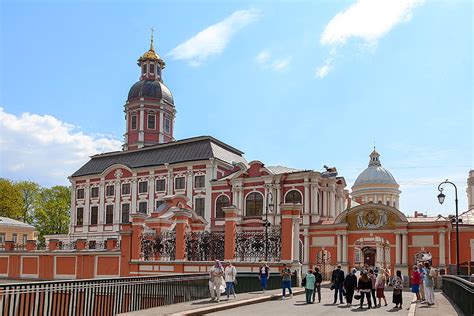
[(309, 286), (263, 275), (415, 283), (380, 287), (364, 286), (317, 285), (286, 281), (421, 270), (428, 283), (216, 281), (350, 284), (373, 279), (389, 276), (337, 280), (230, 274), (397, 290)]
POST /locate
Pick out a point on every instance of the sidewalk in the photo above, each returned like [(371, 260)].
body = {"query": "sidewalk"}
[(204, 306), (443, 307)]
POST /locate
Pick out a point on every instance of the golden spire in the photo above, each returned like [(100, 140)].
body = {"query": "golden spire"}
[(152, 48)]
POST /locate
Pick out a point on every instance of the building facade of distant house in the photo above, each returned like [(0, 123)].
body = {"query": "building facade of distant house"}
[(16, 231)]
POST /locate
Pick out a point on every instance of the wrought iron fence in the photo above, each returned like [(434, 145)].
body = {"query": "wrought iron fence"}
[(205, 246), (100, 296), (67, 246), (250, 245), (159, 246), (460, 291)]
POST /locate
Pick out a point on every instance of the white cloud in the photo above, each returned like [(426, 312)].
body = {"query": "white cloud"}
[(367, 21), (45, 149), (213, 39), (266, 60)]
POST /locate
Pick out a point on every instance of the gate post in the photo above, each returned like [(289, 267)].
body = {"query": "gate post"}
[(138, 219), (290, 236), (182, 216), (231, 216)]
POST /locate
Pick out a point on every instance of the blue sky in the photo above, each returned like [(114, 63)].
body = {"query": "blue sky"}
[(295, 83)]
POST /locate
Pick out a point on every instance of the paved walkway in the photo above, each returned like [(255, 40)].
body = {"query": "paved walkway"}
[(443, 307), (298, 306)]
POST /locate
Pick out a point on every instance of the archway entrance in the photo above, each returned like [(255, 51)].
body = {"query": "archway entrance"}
[(372, 252)]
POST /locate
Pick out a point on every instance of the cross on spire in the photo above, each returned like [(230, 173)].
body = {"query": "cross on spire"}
[(152, 48)]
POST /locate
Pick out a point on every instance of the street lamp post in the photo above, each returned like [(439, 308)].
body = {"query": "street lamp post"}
[(268, 207), (441, 197)]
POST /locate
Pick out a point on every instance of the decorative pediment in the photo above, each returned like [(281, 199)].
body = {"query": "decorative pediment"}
[(371, 217)]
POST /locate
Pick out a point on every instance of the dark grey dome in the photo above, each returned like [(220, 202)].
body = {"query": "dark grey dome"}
[(150, 89)]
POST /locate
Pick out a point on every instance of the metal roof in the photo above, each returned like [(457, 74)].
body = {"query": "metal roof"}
[(6, 221), (191, 149)]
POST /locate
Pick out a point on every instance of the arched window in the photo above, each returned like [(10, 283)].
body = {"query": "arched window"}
[(254, 204), (222, 201), (293, 197)]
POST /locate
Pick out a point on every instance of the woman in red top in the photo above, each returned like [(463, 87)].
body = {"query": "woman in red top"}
[(415, 282)]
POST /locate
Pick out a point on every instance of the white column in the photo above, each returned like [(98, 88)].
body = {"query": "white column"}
[(189, 187), (207, 185), (344, 248), (162, 122), (442, 249), (170, 181), (306, 197), (325, 203), (277, 199), (141, 137), (314, 200), (133, 208), (100, 220), (339, 248), (398, 253), (296, 239), (306, 248), (405, 248), (151, 193), (87, 202), (117, 218), (332, 203)]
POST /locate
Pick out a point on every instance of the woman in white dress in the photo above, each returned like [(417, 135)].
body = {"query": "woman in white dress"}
[(216, 280)]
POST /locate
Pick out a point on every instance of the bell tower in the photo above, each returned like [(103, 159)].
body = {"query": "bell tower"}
[(149, 110)]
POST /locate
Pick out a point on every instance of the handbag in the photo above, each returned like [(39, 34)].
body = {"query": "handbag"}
[(332, 287), (397, 291), (235, 281), (357, 296)]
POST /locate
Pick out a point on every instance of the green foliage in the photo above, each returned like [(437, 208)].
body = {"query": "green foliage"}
[(29, 191), (11, 202), (52, 210)]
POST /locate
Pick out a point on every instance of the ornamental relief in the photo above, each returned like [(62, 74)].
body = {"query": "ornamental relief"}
[(371, 219)]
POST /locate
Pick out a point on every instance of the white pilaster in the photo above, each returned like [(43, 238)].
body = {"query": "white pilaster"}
[(344, 248), (162, 122), (398, 253), (100, 219), (151, 192), (306, 205), (306, 250), (133, 207), (325, 203), (339, 248), (117, 217), (442, 249), (189, 187), (296, 239), (405, 248)]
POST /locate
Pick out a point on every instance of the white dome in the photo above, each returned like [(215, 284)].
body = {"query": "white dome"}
[(375, 173)]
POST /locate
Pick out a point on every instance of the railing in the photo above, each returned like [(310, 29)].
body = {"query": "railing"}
[(205, 246), (250, 245), (100, 296), (460, 291), (159, 246)]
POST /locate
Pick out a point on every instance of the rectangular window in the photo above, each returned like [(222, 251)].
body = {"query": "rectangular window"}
[(160, 185), (126, 189), (79, 216), (94, 192), (2, 238), (15, 238), (25, 238), (144, 69), (133, 122), (80, 193), (199, 206), (109, 214), (110, 190), (167, 125), (143, 187), (142, 207), (94, 213), (159, 203), (125, 213), (179, 183), (199, 181), (151, 121)]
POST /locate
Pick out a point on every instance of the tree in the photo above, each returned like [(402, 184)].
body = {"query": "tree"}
[(29, 191), (51, 211), (11, 202)]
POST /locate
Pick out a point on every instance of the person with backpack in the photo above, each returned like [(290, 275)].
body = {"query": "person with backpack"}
[(286, 281), (337, 280), (317, 286), (350, 284), (309, 286)]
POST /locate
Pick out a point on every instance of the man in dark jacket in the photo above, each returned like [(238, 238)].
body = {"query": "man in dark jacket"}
[(350, 283), (317, 285), (337, 280)]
